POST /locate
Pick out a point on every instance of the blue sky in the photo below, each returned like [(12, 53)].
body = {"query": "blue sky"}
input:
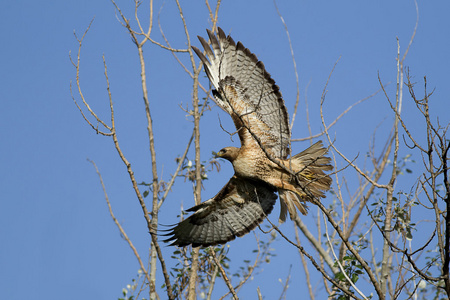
[(58, 238)]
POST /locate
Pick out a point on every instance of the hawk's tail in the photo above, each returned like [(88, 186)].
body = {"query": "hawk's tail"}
[(311, 180), (289, 202)]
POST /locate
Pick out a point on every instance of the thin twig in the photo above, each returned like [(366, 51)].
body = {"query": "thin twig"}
[(224, 274), (316, 244), (336, 119), (305, 266), (122, 231), (86, 104), (312, 260), (339, 263), (293, 63)]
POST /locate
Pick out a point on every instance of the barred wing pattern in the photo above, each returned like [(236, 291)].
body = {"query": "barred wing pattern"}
[(236, 210), (245, 90)]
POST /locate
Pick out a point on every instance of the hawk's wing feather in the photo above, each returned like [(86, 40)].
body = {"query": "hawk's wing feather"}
[(237, 209), (246, 91)]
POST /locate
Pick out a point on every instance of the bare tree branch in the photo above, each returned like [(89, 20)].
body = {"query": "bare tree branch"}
[(224, 275), (122, 231)]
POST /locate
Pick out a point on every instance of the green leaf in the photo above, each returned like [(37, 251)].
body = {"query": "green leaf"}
[(409, 235), (340, 276)]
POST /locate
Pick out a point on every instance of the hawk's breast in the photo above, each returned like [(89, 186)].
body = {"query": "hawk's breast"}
[(250, 163)]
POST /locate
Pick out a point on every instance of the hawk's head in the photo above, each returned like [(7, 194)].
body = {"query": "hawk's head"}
[(228, 153)]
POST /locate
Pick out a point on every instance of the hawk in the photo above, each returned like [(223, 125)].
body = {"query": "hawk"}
[(245, 90)]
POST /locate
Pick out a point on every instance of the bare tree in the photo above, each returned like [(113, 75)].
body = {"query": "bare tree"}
[(372, 210)]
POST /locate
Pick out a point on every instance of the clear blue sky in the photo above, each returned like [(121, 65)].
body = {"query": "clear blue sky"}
[(58, 240)]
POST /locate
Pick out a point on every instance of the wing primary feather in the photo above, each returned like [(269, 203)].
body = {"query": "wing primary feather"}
[(201, 56), (214, 42), (207, 48), (221, 34)]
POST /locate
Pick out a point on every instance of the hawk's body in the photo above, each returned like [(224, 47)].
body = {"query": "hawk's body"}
[(247, 92)]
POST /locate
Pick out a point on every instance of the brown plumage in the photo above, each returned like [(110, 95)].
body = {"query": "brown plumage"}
[(245, 90), (234, 211)]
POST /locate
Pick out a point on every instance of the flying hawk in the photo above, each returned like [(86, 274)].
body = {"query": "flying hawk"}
[(245, 90)]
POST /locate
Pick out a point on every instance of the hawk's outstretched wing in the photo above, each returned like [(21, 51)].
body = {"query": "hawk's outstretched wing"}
[(246, 91), (238, 208)]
